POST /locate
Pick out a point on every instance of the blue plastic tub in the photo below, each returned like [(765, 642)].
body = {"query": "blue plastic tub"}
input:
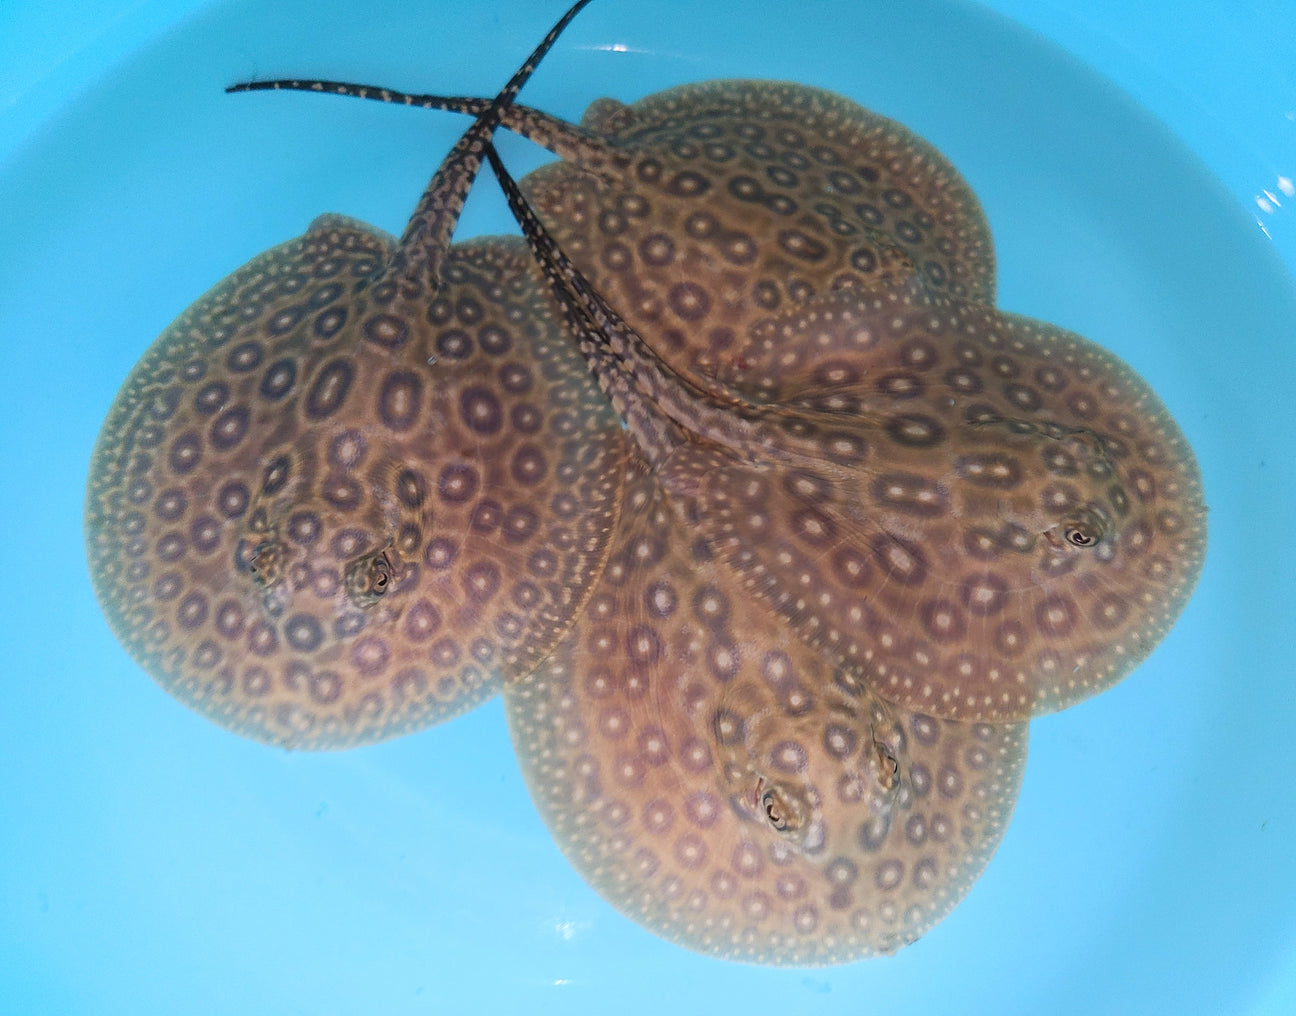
[(1137, 168)]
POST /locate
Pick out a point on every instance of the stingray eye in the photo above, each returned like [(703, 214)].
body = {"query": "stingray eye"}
[(888, 767), (368, 578), (1085, 528), (775, 809), (1080, 536), (380, 575), (265, 562)]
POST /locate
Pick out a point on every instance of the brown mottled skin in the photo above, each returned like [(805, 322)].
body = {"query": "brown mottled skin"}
[(728, 787), (992, 518), (739, 200), (714, 776), (359, 484), (324, 516)]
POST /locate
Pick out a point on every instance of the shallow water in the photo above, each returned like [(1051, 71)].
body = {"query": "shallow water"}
[(150, 862)]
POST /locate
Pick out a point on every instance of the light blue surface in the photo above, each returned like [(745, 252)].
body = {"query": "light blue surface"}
[(150, 863)]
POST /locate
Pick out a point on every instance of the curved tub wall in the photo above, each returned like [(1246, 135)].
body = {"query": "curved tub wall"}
[(1222, 78)]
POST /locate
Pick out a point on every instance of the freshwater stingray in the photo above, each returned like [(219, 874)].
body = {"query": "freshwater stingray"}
[(998, 520), (729, 788), (358, 484)]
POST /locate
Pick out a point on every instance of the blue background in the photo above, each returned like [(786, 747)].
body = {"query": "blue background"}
[(150, 863)]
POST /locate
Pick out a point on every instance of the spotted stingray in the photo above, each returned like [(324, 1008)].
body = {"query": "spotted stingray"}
[(360, 483), (730, 788), (994, 517)]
